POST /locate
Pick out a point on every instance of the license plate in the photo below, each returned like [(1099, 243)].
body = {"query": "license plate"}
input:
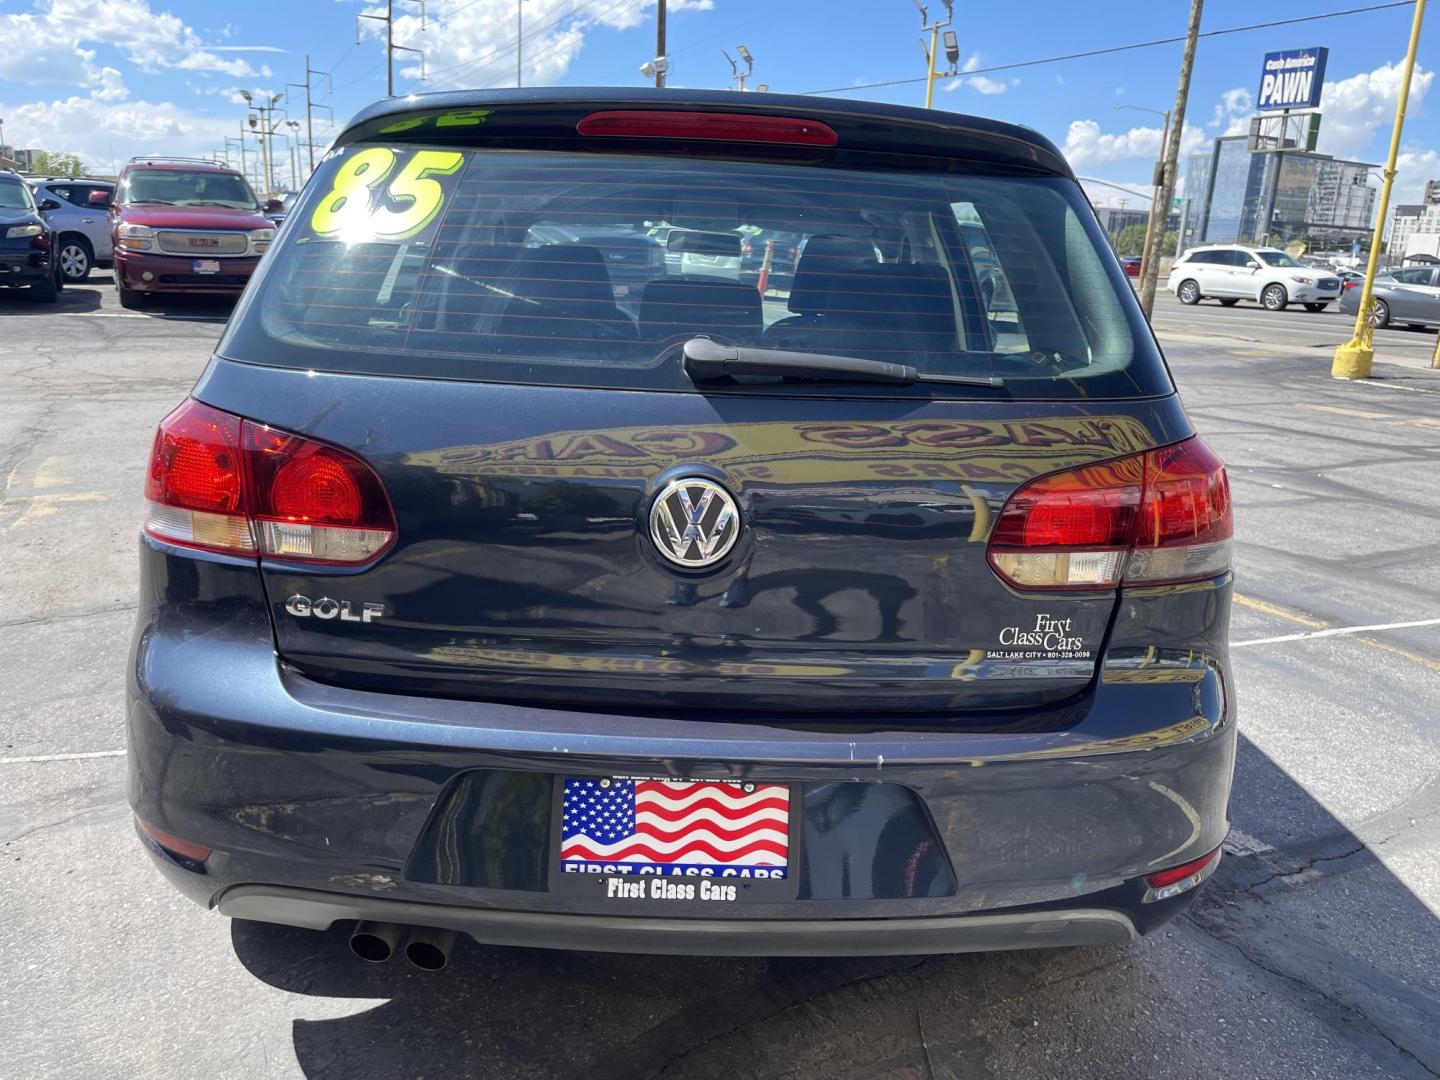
[(663, 841), (206, 266)]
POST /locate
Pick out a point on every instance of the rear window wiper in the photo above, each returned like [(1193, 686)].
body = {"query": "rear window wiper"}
[(706, 359)]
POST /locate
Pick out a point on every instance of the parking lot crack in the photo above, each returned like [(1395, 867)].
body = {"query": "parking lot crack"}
[(1309, 864)]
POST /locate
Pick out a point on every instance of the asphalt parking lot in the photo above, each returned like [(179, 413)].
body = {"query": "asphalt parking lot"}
[(1315, 951)]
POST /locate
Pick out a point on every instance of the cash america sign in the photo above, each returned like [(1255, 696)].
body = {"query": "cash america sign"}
[(1292, 79)]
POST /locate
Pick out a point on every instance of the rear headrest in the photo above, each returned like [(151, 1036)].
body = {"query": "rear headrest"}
[(822, 268), (559, 272), (699, 303)]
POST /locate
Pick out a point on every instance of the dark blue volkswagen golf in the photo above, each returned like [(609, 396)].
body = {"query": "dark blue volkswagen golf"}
[(491, 587)]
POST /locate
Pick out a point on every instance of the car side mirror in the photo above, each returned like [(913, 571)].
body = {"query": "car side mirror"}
[(1251, 264), (100, 199), (46, 205), (273, 206)]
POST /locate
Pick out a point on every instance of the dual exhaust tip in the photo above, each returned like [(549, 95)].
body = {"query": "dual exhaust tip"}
[(425, 947)]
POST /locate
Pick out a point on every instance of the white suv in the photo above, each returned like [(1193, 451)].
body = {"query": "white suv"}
[(1231, 273)]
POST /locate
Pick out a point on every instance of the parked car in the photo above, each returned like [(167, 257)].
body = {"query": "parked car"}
[(82, 227), (1409, 295), (1269, 276), (277, 214), (1131, 265), (472, 603), (185, 226), (27, 242)]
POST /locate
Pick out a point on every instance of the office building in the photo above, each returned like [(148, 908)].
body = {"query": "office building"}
[(1237, 195)]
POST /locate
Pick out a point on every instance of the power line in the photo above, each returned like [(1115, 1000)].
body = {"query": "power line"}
[(1129, 48), (504, 48)]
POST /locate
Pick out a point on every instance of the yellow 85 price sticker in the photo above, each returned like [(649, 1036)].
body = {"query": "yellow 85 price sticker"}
[(410, 198)]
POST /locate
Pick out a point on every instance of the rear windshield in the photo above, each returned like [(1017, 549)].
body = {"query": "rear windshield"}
[(181, 188), (593, 270)]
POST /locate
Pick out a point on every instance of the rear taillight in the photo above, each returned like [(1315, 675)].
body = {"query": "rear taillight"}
[(196, 484), (733, 127), (1178, 879), (225, 484), (1155, 518)]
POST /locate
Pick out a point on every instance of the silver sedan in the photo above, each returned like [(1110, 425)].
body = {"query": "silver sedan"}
[(1409, 296)]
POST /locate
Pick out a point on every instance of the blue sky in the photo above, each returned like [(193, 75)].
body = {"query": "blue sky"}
[(109, 78)]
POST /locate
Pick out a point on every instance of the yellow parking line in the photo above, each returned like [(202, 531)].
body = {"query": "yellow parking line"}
[(1361, 413), (1406, 653), (1266, 608)]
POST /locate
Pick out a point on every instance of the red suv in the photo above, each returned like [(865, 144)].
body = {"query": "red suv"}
[(185, 226)]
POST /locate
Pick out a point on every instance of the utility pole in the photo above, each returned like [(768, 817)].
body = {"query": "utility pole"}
[(310, 106), (1150, 260), (660, 69), (952, 45), (1353, 359), (519, 43), (390, 47), (243, 170)]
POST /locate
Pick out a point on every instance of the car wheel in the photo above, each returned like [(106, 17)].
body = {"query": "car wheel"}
[(1380, 314), (76, 259), (131, 298), (1229, 301), (1274, 298), (1188, 292), (47, 291), (1316, 307)]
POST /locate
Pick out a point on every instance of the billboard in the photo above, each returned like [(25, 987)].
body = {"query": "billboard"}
[(1292, 79)]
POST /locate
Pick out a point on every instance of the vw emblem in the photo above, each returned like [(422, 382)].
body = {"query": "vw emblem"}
[(694, 522)]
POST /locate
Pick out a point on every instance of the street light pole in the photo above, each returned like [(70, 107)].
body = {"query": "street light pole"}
[(519, 43), (1353, 359), (1150, 260), (933, 49), (1156, 210)]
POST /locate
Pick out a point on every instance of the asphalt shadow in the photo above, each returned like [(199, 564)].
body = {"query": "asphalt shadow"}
[(1318, 922)]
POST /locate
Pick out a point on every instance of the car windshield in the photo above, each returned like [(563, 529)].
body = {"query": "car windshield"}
[(182, 188), (14, 195), (1279, 258), (554, 268)]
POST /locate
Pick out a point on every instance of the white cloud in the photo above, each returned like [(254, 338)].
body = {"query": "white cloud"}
[(1232, 112), (981, 84), (1412, 169), (106, 133), (152, 40), (1087, 144), (471, 43), (1361, 107)]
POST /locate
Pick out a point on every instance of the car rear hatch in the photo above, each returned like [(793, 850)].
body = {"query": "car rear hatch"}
[(523, 419)]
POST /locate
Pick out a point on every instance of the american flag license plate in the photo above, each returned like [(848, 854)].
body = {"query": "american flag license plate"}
[(732, 832), (206, 266)]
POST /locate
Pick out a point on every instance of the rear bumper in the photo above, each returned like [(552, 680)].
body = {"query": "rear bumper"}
[(690, 937), (176, 273), (360, 799)]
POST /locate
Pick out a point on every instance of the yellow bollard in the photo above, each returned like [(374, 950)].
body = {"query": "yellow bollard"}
[(1353, 359)]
